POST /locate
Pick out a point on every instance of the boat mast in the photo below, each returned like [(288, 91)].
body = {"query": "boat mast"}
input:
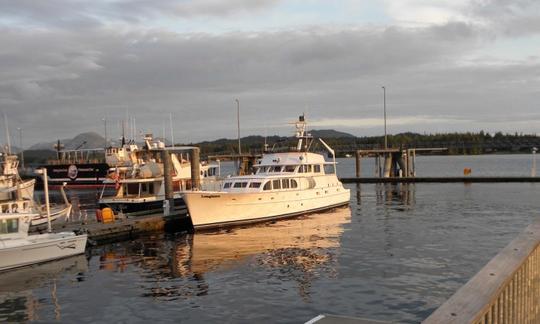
[(301, 133)]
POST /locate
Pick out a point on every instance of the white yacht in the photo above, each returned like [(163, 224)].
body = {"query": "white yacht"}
[(18, 249), (283, 185)]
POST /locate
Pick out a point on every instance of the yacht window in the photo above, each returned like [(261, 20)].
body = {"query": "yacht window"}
[(254, 184), (309, 168), (9, 226), (132, 189), (317, 168), (144, 187), (328, 169), (290, 168), (301, 169), (277, 184), (276, 168), (240, 184), (226, 185), (285, 183), (268, 185), (294, 184)]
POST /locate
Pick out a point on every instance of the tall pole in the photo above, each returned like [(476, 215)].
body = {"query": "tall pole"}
[(43, 173), (238, 120), (105, 125), (21, 146), (171, 126), (384, 105)]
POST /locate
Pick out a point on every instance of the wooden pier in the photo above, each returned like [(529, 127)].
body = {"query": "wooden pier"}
[(464, 179), (393, 162)]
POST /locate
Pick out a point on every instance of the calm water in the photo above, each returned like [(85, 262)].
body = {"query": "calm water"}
[(397, 253)]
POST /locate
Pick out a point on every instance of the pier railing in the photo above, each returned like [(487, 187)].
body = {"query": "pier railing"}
[(506, 290)]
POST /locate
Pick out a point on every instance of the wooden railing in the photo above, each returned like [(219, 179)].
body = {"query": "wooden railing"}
[(506, 290)]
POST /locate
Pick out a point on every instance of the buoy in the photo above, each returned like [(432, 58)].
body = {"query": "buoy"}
[(107, 215)]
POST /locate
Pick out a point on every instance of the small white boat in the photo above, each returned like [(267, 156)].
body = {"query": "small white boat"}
[(18, 249), (284, 185)]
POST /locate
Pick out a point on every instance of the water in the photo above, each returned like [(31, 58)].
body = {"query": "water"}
[(397, 253)]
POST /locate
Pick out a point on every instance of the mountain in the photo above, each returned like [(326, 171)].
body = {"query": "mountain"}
[(330, 133), (90, 140)]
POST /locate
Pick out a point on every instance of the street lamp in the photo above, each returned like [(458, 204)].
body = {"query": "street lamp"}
[(105, 125), (533, 169), (238, 120), (384, 100), (21, 146)]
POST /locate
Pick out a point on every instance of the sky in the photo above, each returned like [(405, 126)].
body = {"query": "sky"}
[(447, 66)]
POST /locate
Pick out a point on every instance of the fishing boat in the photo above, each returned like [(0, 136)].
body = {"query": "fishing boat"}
[(140, 188), (18, 249), (10, 182), (284, 184), (17, 194)]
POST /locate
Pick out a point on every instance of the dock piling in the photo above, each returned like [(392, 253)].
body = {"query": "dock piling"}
[(195, 169), (168, 203)]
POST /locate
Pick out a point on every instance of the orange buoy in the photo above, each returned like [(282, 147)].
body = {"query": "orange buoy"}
[(107, 215)]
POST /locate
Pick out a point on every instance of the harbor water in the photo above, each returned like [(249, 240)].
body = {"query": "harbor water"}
[(396, 253)]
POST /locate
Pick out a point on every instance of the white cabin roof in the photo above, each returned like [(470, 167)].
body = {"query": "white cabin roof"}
[(291, 158)]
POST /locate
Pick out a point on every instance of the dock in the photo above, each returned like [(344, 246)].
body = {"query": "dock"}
[(464, 179), (124, 229)]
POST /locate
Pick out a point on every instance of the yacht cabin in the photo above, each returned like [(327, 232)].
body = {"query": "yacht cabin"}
[(285, 171)]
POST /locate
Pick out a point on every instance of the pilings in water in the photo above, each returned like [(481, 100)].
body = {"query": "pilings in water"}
[(392, 162)]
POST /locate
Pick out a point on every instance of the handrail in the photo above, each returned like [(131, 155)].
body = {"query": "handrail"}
[(506, 290)]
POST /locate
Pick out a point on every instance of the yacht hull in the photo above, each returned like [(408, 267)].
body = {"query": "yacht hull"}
[(40, 248), (220, 209)]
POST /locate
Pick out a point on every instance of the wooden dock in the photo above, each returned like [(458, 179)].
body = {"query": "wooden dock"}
[(464, 179)]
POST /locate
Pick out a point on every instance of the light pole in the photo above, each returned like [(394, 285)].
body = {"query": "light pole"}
[(21, 146), (238, 120), (105, 125), (533, 169), (384, 107)]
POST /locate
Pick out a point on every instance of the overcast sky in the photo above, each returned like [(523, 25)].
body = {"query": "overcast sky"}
[(448, 65)]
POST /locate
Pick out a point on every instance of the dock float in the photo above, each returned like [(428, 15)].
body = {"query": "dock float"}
[(440, 179), (123, 229)]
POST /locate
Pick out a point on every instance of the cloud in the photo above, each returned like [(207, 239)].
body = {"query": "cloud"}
[(60, 76)]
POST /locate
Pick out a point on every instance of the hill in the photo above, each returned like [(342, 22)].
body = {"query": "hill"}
[(90, 140)]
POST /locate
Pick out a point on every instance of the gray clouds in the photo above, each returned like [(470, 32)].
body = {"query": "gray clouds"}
[(58, 81)]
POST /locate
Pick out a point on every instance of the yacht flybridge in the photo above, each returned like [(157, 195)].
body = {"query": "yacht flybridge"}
[(283, 185)]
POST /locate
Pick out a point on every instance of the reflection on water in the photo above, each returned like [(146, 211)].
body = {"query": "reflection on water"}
[(297, 249), (19, 299), (404, 250), (401, 196)]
